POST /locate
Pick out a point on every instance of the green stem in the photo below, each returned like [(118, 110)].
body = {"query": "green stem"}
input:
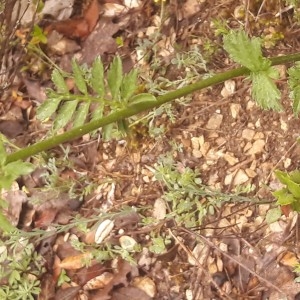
[(137, 108)]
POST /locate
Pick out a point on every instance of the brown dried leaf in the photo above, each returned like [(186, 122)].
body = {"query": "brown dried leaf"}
[(78, 27), (76, 262)]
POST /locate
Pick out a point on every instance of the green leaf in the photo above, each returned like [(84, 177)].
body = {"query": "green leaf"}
[(284, 197), (273, 215), (294, 84), (59, 82), (287, 179), (78, 74), (245, 51), (295, 176), (140, 101), (129, 85), (97, 79), (114, 77), (12, 171), (283, 177), (3, 153), (65, 114), (48, 108), (5, 225), (81, 114), (107, 131), (97, 113), (265, 91)]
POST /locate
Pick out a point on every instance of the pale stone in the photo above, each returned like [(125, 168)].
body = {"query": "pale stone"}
[(250, 173), (235, 109), (214, 122), (240, 177), (257, 147), (248, 134), (229, 157)]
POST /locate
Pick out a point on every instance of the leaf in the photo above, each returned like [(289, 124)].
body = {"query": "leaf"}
[(65, 114), (48, 108), (114, 77), (81, 114), (265, 91), (245, 51), (78, 73), (59, 82), (294, 84), (129, 85), (284, 197), (76, 262), (287, 179), (10, 172), (282, 176), (295, 176), (97, 113), (5, 225), (97, 79), (140, 101), (273, 215), (3, 154)]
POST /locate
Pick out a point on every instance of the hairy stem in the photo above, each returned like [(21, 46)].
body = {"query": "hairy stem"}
[(137, 108)]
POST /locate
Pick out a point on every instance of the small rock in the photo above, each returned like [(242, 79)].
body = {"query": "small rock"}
[(214, 122), (240, 177), (145, 284), (235, 109), (229, 157), (257, 147), (250, 173), (248, 134), (228, 89)]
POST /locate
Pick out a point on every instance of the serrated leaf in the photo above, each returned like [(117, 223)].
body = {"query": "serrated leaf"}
[(114, 77), (284, 197), (264, 91), (48, 108), (273, 215), (65, 114), (282, 176), (59, 82), (245, 51), (294, 84), (129, 85), (78, 74), (81, 114), (97, 79)]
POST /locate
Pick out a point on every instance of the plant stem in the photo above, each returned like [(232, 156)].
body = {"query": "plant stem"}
[(134, 109)]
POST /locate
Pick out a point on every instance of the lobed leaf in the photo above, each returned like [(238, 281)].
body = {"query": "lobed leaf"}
[(78, 73), (65, 114), (114, 77), (97, 79), (264, 91), (245, 51)]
